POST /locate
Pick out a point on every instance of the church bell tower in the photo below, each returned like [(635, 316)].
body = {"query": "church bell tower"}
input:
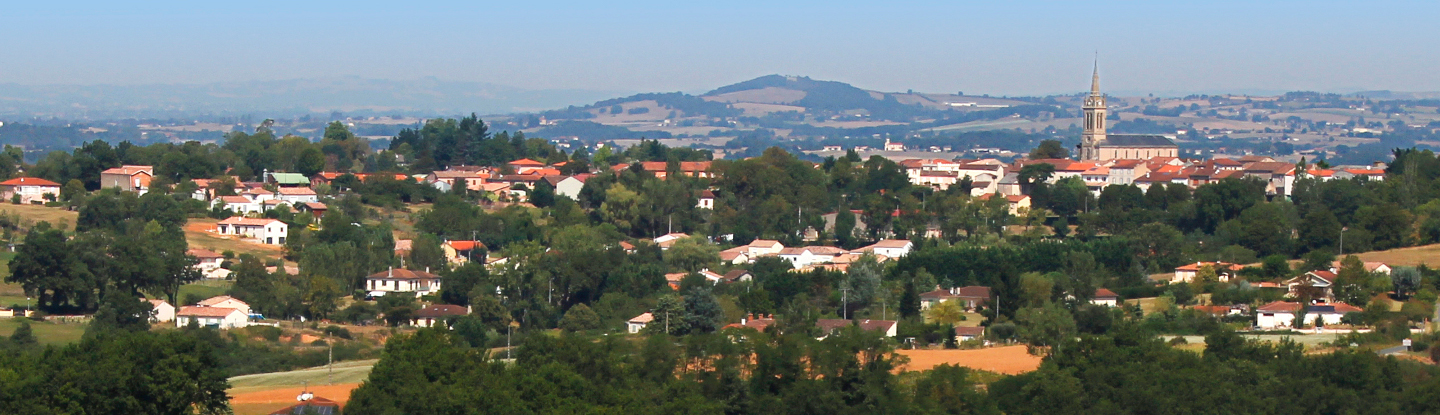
[(1094, 107)]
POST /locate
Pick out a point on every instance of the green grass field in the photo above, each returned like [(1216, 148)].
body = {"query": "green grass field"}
[(202, 289), (46, 332), (345, 372)]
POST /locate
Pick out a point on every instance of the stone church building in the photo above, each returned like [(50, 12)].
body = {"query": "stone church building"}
[(1096, 144)]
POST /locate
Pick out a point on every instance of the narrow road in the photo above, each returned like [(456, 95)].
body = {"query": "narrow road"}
[(1392, 350)]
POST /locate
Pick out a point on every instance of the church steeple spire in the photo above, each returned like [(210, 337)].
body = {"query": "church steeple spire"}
[(1094, 133), (1095, 79)]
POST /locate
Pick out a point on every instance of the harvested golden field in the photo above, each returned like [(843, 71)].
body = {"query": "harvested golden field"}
[(1009, 360), (199, 232), (1412, 256)]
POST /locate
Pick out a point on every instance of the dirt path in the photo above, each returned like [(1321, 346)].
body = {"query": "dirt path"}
[(1009, 360)]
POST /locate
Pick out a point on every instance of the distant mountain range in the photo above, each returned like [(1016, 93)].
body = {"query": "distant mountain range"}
[(426, 97)]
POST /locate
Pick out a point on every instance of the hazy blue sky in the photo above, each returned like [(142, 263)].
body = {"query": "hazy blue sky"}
[(995, 47)]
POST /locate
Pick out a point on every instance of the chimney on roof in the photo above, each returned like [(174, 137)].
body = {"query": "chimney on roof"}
[(390, 272)]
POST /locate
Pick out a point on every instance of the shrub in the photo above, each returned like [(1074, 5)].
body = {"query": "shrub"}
[(265, 332), (338, 332)]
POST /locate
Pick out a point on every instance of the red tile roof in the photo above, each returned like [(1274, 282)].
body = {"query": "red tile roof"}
[(643, 318), (527, 163), (29, 181), (403, 274), (465, 245), (243, 221), (196, 311), (130, 170), (1104, 293), (296, 191)]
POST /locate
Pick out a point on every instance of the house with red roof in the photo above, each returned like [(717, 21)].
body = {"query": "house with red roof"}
[(523, 166), (219, 317), (128, 178), (1223, 270), (570, 186), (444, 180), (460, 252), (161, 311), (28, 190), (295, 196), (266, 231), (706, 200), (1281, 314), (207, 260), (638, 323), (402, 281), (964, 334), (1317, 283), (752, 322), (1370, 174), (238, 204), (1105, 297)]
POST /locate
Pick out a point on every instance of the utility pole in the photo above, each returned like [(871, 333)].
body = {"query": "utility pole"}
[(330, 377), (845, 302), (508, 329)]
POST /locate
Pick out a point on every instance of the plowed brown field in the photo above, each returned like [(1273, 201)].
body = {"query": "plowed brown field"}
[(1009, 360)]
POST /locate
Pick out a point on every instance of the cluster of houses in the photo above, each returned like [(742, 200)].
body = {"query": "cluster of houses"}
[(988, 176), (807, 258), (1316, 285)]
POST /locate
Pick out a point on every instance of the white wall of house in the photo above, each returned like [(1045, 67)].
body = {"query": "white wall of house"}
[(29, 194), (298, 199), (634, 327), (163, 312), (419, 287), (230, 321), (273, 233), (1277, 319), (569, 187)]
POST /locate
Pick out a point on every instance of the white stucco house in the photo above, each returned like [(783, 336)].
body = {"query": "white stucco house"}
[(219, 317), (638, 323), (207, 261), (810, 255), (29, 189), (296, 196), (266, 231), (570, 186), (1106, 298), (238, 204), (225, 301), (893, 248), (161, 311), (1281, 314), (402, 280)]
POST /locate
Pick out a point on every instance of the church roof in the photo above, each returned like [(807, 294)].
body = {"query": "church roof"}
[(1136, 140)]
